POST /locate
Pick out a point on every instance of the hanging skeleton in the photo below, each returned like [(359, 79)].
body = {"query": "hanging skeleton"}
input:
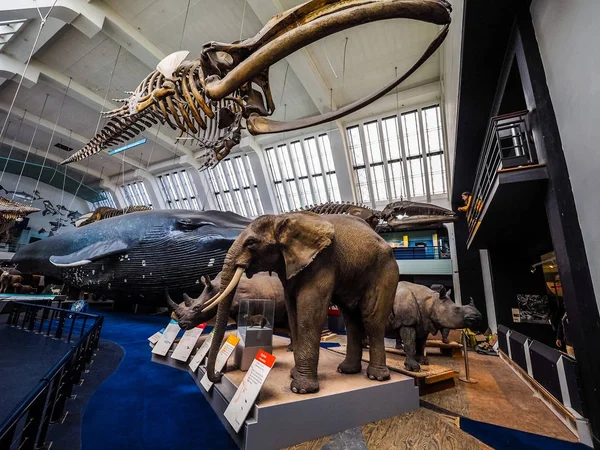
[(209, 99), (396, 216)]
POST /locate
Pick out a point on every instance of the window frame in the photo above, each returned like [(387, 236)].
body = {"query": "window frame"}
[(178, 190), (406, 175), (291, 190), (234, 189), (131, 191)]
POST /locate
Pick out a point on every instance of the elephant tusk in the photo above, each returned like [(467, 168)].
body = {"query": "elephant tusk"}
[(230, 287)]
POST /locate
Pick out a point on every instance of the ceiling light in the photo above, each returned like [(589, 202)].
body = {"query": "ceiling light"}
[(128, 146)]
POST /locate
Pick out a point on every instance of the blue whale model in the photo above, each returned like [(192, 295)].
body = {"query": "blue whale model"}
[(134, 257)]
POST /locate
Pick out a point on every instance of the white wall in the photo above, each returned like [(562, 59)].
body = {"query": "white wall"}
[(37, 220), (568, 36), (450, 80)]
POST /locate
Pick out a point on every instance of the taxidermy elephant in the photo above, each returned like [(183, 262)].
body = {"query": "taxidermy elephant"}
[(7, 280), (260, 286), (419, 311), (319, 259)]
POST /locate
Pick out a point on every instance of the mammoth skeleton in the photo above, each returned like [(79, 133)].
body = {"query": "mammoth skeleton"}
[(209, 99)]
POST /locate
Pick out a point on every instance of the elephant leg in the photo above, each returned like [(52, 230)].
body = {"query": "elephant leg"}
[(421, 357), (409, 338), (290, 306), (312, 304), (354, 334), (374, 320)]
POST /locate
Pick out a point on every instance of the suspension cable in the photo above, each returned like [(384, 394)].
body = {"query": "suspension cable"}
[(37, 125), (12, 104), (62, 104), (13, 145)]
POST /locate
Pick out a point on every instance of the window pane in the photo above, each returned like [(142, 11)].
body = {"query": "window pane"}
[(232, 179), (411, 134), (397, 180), (355, 146), (372, 142), (320, 187), (306, 192), (435, 151), (281, 197), (312, 155), (298, 159), (378, 180), (415, 167), (391, 138), (334, 189), (326, 152), (240, 200), (275, 173), (241, 172), (363, 189), (295, 196), (284, 160)]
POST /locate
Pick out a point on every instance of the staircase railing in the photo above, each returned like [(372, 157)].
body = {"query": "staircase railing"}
[(506, 146), (26, 427)]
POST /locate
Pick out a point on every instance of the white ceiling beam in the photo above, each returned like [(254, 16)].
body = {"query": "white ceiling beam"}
[(36, 71), (48, 126), (90, 18), (79, 167), (300, 62)]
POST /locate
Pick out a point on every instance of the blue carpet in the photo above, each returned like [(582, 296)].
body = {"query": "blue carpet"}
[(501, 438), (145, 405)]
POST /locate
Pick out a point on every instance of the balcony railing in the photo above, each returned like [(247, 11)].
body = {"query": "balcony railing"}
[(506, 146), (421, 253), (27, 425)]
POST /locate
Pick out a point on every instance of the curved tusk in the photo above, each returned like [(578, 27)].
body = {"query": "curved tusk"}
[(230, 287), (262, 125), (212, 299)]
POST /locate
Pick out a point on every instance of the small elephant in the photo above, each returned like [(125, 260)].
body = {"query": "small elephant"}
[(320, 259), (419, 311)]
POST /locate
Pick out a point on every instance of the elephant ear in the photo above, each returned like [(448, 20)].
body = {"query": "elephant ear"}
[(302, 236)]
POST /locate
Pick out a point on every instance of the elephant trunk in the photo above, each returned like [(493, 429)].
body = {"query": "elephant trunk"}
[(230, 277)]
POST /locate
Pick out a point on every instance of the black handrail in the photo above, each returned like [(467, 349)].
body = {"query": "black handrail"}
[(506, 145), (431, 252), (28, 423)]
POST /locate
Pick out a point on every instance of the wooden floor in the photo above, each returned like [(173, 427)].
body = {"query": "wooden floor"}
[(499, 398)]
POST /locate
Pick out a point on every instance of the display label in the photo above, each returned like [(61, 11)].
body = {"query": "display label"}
[(202, 352), (222, 357), (166, 340), (155, 337), (248, 390), (187, 343), (516, 315)]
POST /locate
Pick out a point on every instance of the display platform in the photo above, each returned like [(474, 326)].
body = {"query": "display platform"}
[(281, 418), (428, 375)]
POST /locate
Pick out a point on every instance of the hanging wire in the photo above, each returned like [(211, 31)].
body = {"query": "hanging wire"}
[(62, 104), (184, 24), (13, 145), (284, 82), (328, 60), (37, 125), (12, 104), (153, 146), (243, 18), (80, 183), (344, 68)]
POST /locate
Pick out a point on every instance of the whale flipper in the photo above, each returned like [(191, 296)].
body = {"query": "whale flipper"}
[(92, 252)]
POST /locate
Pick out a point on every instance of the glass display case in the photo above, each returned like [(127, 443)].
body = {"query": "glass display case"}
[(255, 330)]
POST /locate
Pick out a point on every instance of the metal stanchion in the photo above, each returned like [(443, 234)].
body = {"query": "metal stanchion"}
[(468, 378)]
